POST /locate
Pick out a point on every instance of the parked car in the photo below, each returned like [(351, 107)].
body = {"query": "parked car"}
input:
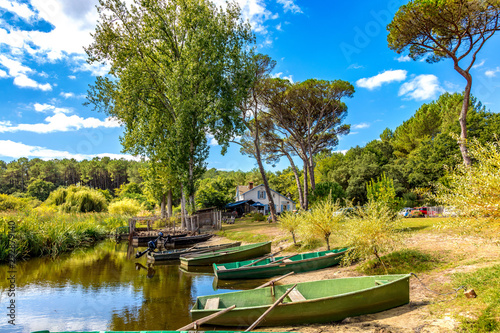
[(419, 212), (405, 212), (450, 212)]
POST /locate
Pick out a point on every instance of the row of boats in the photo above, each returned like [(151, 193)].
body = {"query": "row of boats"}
[(306, 302)]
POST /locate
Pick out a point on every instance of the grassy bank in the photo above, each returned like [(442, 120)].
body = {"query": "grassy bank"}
[(33, 233)]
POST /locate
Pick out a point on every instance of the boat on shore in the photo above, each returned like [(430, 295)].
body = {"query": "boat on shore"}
[(272, 266), (175, 254), (226, 255), (309, 302)]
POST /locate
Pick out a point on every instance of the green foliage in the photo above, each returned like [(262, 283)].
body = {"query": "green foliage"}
[(9, 202), (125, 206), (486, 283), (215, 192), (40, 189), (258, 217), (474, 190), (290, 222), (327, 189), (127, 189), (372, 230), (83, 201), (39, 234), (58, 197), (382, 191), (323, 220), (400, 262)]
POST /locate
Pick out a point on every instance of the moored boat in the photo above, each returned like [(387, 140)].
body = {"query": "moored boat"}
[(175, 254), (257, 269), (226, 255), (309, 302)]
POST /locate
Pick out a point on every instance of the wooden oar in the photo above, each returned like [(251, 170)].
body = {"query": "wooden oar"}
[(261, 259), (270, 309), (284, 258), (275, 280), (195, 324)]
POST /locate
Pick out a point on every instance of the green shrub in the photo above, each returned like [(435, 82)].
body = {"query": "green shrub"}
[(258, 217), (125, 206), (84, 201), (9, 202), (401, 262)]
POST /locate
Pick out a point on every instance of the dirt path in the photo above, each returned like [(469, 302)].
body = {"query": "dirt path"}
[(463, 254)]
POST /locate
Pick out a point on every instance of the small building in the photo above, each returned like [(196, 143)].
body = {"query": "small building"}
[(259, 196)]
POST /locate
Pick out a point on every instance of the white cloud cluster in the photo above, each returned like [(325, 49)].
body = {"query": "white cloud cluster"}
[(16, 150), (385, 77), (19, 72), (289, 5), (20, 9), (360, 126), (403, 58), (492, 72), (421, 87)]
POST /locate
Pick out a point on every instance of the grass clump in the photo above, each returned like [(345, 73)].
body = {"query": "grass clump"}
[(486, 307), (126, 206), (401, 262), (9, 202), (75, 199)]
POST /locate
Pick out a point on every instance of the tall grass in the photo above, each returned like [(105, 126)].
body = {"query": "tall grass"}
[(39, 234)]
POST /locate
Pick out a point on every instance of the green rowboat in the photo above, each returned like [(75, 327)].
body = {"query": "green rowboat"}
[(175, 254), (303, 262), (310, 302), (226, 255), (137, 332)]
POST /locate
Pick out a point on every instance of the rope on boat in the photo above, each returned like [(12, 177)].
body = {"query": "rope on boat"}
[(455, 291)]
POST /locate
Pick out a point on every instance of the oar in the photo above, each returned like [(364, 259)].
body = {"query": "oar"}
[(275, 280), (270, 309), (195, 324), (284, 258), (261, 259)]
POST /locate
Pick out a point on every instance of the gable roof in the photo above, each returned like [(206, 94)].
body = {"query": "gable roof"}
[(242, 189), (269, 189)]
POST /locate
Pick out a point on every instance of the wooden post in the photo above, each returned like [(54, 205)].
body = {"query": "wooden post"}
[(195, 324), (257, 322), (272, 282)]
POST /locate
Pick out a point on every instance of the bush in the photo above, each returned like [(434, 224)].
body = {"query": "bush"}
[(84, 201), (258, 217), (125, 206), (40, 189), (9, 202)]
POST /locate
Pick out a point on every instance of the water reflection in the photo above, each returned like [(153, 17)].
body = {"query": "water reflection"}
[(101, 289)]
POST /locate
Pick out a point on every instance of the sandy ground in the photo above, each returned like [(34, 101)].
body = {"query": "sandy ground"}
[(465, 253)]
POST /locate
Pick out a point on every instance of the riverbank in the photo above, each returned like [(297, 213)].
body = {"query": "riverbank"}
[(447, 258)]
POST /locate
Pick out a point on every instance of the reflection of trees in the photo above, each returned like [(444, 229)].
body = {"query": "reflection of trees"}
[(166, 304)]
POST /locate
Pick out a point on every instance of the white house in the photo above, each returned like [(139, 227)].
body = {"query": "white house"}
[(258, 195)]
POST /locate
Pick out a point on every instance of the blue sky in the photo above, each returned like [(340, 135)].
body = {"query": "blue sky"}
[(44, 75)]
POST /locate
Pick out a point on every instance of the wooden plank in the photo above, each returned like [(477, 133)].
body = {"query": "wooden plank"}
[(257, 322), (380, 282), (275, 280), (212, 303), (296, 296), (221, 268), (197, 323)]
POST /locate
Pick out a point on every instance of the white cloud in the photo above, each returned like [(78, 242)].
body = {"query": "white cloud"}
[(378, 80), (254, 11), (95, 69), (355, 66), (280, 75), (479, 64), (43, 107), (18, 71), (23, 81), (3, 74), (289, 5), (360, 126), (60, 122), (422, 87), (403, 58), (492, 72), (21, 10), (211, 140), (67, 95), (72, 77), (16, 150), (278, 27)]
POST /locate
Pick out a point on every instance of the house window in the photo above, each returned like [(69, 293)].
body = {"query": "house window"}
[(261, 194)]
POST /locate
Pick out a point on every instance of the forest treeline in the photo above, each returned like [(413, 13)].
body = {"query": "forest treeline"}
[(415, 155)]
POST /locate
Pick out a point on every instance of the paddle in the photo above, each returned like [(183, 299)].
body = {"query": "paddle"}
[(203, 320), (273, 281), (270, 309), (284, 258), (261, 259)]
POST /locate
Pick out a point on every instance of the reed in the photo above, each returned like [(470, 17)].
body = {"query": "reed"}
[(48, 233)]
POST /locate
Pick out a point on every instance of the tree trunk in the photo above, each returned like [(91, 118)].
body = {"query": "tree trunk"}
[(306, 187), (293, 236), (163, 213), (311, 172), (297, 180), (183, 208), (327, 239), (169, 203), (463, 122)]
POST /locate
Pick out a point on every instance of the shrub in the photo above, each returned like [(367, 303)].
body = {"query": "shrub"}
[(40, 189), (258, 217), (290, 222), (125, 206), (9, 202), (326, 190), (84, 201)]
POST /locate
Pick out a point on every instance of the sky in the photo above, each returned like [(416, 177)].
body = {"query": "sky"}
[(44, 75)]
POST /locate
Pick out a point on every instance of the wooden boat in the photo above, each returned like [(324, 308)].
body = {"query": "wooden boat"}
[(309, 302), (269, 267), (175, 254), (143, 240), (137, 332), (226, 255), (176, 242)]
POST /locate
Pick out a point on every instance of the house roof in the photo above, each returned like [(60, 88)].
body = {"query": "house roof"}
[(237, 203), (269, 189), (242, 188)]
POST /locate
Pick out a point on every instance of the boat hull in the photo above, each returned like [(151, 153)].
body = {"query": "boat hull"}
[(300, 263), (233, 254), (175, 254), (344, 297)]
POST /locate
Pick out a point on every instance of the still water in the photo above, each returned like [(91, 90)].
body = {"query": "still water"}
[(103, 288)]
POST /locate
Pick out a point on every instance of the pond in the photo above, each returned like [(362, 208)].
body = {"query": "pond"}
[(102, 288)]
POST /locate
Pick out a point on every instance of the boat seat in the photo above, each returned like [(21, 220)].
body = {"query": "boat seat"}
[(212, 303), (330, 253), (296, 296), (380, 282), (221, 268), (287, 260)]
